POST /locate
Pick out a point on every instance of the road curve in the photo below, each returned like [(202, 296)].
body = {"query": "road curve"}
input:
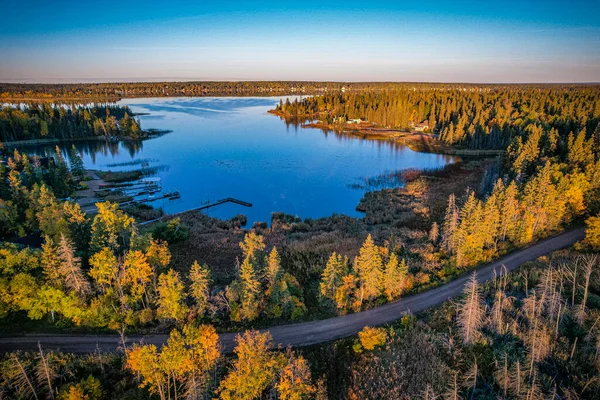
[(313, 332)]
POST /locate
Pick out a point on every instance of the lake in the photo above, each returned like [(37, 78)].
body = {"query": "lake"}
[(230, 147)]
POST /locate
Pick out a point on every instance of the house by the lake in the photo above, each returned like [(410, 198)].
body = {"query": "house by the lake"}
[(422, 127)]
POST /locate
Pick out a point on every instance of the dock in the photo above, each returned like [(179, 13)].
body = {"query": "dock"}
[(204, 207)]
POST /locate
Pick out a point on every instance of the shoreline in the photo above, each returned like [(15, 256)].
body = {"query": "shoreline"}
[(148, 134), (417, 141)]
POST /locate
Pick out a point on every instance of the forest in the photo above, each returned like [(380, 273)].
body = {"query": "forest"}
[(50, 121), (530, 334), (116, 91), (478, 118)]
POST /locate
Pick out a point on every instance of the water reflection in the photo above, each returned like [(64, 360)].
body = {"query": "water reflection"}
[(231, 147)]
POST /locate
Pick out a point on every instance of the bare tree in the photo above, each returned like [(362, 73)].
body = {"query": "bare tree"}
[(589, 262), (471, 311), (16, 372), (70, 268), (45, 372), (453, 392), (502, 375)]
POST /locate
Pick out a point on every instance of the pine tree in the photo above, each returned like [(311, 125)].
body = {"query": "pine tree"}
[(369, 271), (451, 221), (77, 166), (272, 271), (332, 276), (249, 291), (394, 277), (434, 233)]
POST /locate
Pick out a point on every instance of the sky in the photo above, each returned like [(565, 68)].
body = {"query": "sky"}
[(417, 41)]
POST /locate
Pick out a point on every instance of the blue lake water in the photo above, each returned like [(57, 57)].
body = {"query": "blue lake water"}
[(231, 147)]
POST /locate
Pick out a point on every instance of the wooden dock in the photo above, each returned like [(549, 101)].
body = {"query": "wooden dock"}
[(204, 207)]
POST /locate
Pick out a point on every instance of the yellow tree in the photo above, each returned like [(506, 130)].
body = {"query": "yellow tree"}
[(181, 368), (368, 268), (369, 338), (204, 351), (144, 361), (51, 261), (171, 296), (158, 254), (243, 293), (295, 381), (254, 369), (273, 268), (200, 286), (49, 213), (253, 246), (394, 277), (111, 227), (345, 294), (103, 268), (592, 232), (332, 276), (136, 274)]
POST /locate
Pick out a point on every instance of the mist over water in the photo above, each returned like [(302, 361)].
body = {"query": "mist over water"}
[(231, 147)]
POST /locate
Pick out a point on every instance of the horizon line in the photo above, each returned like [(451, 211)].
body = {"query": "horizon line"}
[(84, 81)]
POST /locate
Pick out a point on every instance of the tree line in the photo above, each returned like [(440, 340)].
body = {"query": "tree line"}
[(51, 121), (115, 91), (473, 117)]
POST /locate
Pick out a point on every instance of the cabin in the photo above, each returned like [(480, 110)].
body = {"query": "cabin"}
[(422, 127), (355, 121)]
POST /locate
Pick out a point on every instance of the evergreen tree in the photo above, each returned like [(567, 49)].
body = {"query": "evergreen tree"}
[(368, 267), (332, 276), (77, 167), (394, 277), (451, 221)]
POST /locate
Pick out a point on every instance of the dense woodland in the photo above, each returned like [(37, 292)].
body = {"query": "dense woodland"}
[(479, 118), (50, 121), (530, 335), (115, 91)]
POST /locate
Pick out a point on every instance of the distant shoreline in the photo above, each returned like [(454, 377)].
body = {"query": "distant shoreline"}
[(32, 142)]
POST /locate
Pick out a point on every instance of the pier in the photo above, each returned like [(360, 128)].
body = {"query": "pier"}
[(204, 207)]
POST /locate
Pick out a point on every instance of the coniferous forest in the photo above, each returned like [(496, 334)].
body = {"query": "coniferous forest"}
[(474, 117), (49, 121), (533, 333)]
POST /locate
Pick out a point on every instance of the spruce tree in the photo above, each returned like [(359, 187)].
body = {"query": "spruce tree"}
[(368, 268)]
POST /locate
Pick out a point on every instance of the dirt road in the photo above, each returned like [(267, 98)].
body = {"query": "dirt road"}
[(308, 333)]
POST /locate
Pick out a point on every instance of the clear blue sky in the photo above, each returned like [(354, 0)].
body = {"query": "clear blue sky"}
[(448, 41)]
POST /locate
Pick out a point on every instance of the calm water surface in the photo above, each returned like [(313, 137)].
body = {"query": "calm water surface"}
[(231, 147)]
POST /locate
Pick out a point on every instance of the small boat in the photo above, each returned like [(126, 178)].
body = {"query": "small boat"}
[(150, 180)]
